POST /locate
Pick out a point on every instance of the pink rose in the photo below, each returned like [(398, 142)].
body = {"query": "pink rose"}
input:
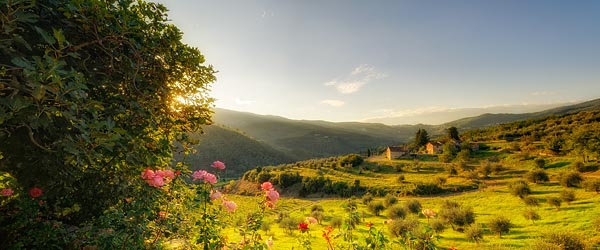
[(147, 174), (218, 165), (199, 175), (230, 206), (35, 192), (272, 195), (210, 178), (7, 192), (215, 195), (266, 186)]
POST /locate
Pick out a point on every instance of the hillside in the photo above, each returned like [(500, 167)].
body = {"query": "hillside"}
[(239, 151)]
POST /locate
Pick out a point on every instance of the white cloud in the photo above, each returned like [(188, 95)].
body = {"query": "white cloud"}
[(357, 78), (239, 101), (333, 103)]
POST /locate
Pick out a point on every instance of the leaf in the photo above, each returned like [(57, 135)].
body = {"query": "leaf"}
[(21, 62), (59, 37), (49, 39)]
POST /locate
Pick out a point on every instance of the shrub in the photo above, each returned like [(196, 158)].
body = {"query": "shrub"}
[(537, 176), (571, 179), (413, 206), (485, 169), (531, 201), (456, 215), (426, 189), (438, 226), (390, 200), (396, 212), (519, 188), (560, 240), (336, 222), (400, 178), (540, 163), (401, 228), (439, 180), (376, 207), (316, 207), (474, 233), (367, 198), (554, 201), (531, 215), (567, 196), (581, 167), (500, 225), (592, 185), (451, 169), (352, 160)]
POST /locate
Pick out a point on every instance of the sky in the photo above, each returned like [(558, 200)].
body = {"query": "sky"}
[(344, 60)]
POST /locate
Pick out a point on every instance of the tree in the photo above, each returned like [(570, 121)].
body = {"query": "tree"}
[(531, 215), (554, 201), (567, 196), (474, 233), (570, 179), (396, 212), (456, 215), (519, 188), (453, 133), (421, 138), (537, 176), (500, 225), (376, 207), (92, 93)]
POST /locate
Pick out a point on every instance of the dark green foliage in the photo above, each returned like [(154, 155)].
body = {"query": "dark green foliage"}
[(531, 201), (396, 212), (560, 241), (582, 167), (567, 196), (376, 207), (474, 233), (540, 162), (426, 189), (570, 179), (519, 188), (456, 215), (531, 215), (421, 138), (592, 185), (554, 201), (537, 176), (500, 225), (352, 160), (390, 200), (453, 133), (413, 206)]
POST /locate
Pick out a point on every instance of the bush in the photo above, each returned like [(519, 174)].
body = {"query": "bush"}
[(540, 163), (289, 224), (485, 169), (438, 226), (439, 180), (352, 160), (413, 206), (474, 233), (581, 167), (400, 178), (390, 200), (396, 212), (519, 188), (571, 179), (456, 215), (336, 222), (554, 201), (500, 225), (560, 240), (401, 228), (426, 189), (531, 215), (537, 176), (451, 169), (367, 198), (592, 185), (531, 201), (567, 196), (376, 207)]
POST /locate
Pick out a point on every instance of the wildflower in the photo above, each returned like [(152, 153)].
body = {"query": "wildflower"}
[(369, 224), (311, 220), (218, 165), (215, 195), (272, 195), (266, 186), (230, 206), (7, 192), (35, 192), (162, 214), (303, 227), (270, 242)]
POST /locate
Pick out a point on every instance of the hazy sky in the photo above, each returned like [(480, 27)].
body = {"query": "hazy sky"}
[(352, 60)]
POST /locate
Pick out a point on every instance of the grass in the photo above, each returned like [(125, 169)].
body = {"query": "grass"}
[(492, 199)]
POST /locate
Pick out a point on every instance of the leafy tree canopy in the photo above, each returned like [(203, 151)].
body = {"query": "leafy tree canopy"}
[(91, 93)]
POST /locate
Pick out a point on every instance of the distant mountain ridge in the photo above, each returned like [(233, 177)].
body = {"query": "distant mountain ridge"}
[(247, 140)]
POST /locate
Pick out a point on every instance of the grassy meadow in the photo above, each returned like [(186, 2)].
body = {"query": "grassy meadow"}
[(490, 199)]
